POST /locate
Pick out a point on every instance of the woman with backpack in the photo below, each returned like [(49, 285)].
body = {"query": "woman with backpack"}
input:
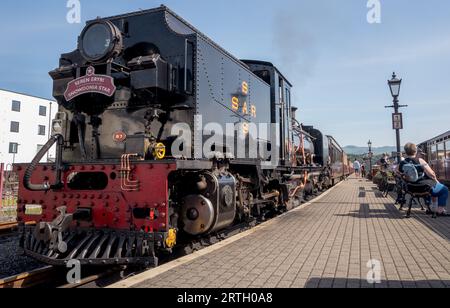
[(418, 171)]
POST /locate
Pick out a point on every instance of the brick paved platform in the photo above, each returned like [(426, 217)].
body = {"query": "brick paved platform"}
[(325, 244)]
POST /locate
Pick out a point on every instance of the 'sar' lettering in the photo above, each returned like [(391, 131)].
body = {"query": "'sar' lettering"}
[(253, 108), (245, 88), (244, 108), (235, 106), (235, 103)]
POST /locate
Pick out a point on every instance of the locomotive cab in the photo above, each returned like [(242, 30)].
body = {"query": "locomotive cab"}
[(281, 104)]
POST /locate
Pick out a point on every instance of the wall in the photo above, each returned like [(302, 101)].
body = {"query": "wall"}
[(29, 119)]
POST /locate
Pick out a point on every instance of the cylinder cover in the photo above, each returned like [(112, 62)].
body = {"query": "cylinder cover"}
[(197, 214)]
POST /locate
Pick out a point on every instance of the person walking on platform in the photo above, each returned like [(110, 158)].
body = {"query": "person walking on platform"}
[(357, 167), (384, 162), (424, 174)]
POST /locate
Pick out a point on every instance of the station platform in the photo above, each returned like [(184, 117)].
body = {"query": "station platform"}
[(325, 243)]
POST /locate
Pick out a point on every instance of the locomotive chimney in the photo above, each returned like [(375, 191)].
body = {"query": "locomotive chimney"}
[(293, 112)]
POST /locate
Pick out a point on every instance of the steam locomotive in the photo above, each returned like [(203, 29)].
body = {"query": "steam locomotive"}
[(139, 101)]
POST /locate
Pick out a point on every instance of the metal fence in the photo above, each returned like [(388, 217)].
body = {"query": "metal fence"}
[(9, 185)]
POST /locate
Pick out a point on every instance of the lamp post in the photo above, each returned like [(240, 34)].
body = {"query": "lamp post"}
[(395, 86), (370, 159)]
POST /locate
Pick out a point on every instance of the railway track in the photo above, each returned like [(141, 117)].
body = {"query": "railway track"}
[(94, 280), (50, 277), (9, 227), (30, 279)]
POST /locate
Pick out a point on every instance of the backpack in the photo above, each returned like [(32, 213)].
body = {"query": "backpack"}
[(410, 172)]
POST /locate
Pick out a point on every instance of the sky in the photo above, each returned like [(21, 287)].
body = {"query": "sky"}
[(338, 62)]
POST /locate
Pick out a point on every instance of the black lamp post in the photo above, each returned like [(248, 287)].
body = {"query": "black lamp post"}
[(370, 159), (395, 86)]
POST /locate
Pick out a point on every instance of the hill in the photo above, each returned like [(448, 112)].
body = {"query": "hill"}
[(355, 150)]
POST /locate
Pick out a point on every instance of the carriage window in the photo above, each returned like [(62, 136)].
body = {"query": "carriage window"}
[(447, 147), (441, 151), (433, 152)]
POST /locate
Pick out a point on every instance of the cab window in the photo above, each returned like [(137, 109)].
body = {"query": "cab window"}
[(264, 75)]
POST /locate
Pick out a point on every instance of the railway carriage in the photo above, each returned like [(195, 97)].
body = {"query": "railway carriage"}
[(330, 155), (437, 153)]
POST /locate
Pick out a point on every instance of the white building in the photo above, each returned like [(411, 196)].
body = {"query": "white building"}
[(25, 123)]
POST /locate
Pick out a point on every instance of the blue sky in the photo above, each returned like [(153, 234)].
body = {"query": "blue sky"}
[(338, 62)]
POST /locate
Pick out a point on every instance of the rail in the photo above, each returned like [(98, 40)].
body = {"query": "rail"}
[(50, 276), (29, 279), (7, 227), (91, 279), (11, 226)]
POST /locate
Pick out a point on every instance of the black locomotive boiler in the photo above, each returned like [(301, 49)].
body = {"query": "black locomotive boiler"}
[(118, 193)]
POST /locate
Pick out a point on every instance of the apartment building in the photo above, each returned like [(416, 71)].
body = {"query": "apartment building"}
[(25, 122)]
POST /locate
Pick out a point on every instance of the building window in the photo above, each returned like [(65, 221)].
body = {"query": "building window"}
[(13, 148), (43, 111), (14, 127), (15, 106), (39, 148), (41, 130)]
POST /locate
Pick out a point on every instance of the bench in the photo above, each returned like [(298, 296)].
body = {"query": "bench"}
[(416, 193)]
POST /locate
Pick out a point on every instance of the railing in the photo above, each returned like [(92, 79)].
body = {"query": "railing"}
[(9, 186)]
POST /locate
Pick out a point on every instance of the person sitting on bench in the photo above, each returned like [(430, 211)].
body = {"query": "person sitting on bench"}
[(424, 175)]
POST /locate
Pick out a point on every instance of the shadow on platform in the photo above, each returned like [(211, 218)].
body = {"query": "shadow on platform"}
[(358, 283), (440, 225), (366, 212)]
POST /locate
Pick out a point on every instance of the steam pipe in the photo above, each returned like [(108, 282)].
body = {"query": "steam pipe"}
[(81, 141), (80, 122), (29, 172)]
